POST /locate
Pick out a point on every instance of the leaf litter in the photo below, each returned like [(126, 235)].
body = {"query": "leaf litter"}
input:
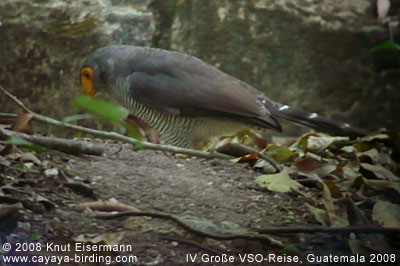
[(361, 171)]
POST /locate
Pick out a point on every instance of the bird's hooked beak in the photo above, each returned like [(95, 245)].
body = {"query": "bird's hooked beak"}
[(88, 89), (87, 81)]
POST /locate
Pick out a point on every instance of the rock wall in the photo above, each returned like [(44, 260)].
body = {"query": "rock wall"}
[(313, 54), (45, 42)]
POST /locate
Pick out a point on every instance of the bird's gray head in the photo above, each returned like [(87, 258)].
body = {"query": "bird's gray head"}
[(101, 68)]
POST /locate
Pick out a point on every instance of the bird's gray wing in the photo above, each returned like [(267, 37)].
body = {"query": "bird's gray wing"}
[(180, 84)]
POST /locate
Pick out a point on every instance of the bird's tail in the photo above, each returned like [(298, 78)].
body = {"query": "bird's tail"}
[(313, 120)]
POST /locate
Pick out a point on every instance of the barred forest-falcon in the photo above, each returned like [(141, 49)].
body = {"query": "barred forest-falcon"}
[(186, 99)]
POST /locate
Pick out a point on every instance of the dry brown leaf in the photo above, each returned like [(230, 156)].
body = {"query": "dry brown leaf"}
[(260, 142), (334, 189), (328, 203), (8, 149), (320, 143), (21, 123), (332, 218), (350, 171), (30, 157), (372, 154), (6, 122), (386, 214), (314, 166), (250, 158), (380, 172), (380, 136)]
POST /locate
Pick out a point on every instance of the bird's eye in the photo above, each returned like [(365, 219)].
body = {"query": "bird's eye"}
[(87, 73)]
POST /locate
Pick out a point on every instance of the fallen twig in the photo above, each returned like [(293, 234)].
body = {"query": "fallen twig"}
[(15, 99), (65, 145), (239, 150), (116, 136), (331, 230), (182, 223), (7, 115), (104, 206), (81, 188)]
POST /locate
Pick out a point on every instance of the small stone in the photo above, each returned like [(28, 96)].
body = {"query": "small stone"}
[(51, 172), (226, 185), (28, 165), (30, 157)]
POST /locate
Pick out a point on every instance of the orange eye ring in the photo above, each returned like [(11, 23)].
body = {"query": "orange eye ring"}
[(86, 74), (87, 81)]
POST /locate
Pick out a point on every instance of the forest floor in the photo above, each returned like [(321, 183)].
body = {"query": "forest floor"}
[(49, 198)]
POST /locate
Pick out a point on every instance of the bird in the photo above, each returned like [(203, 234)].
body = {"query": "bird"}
[(188, 100)]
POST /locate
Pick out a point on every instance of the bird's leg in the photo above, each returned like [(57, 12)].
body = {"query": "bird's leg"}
[(151, 134)]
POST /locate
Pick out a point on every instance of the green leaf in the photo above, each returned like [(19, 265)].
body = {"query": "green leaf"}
[(280, 154), (386, 46), (290, 250), (17, 141), (302, 142), (288, 217), (105, 110), (100, 107), (33, 236), (319, 214), (25, 144), (322, 217), (280, 182), (363, 146)]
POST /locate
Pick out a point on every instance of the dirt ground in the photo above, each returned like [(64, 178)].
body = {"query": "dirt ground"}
[(217, 191)]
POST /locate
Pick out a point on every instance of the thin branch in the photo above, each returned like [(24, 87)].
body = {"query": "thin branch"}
[(65, 145), (116, 136), (104, 206), (331, 230), (15, 99), (239, 150), (8, 116)]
